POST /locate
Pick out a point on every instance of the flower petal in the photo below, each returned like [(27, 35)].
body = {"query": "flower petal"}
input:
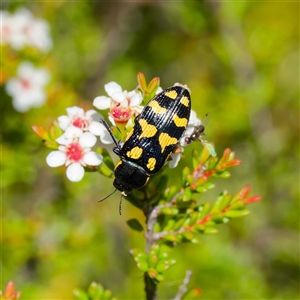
[(75, 111), (102, 102), (135, 99), (92, 158), (73, 132), (75, 172), (175, 160), (56, 159), (63, 122), (87, 140), (118, 97), (62, 140), (112, 87), (96, 128)]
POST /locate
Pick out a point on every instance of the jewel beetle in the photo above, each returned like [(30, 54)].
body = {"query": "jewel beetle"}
[(156, 132)]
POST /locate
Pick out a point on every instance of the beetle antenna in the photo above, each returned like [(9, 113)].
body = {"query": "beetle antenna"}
[(120, 205), (107, 196), (109, 131)]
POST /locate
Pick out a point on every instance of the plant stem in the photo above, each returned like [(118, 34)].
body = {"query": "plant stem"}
[(150, 288)]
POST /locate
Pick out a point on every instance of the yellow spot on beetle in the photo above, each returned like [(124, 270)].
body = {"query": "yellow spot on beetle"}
[(156, 107), (180, 122), (151, 163), (185, 101), (135, 153), (118, 163), (166, 140), (171, 94), (148, 130)]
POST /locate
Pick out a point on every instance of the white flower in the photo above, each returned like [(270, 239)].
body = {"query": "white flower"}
[(122, 104), (75, 153), (27, 89), (86, 121), (21, 29)]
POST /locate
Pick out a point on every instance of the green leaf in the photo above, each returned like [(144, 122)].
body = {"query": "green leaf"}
[(153, 260), (143, 266), (162, 266), (187, 195), (170, 237), (185, 172), (238, 205), (160, 277), (80, 294), (51, 145), (54, 131), (41, 132), (204, 210), (187, 236), (142, 81), (195, 158), (106, 295), (217, 217), (223, 174), (104, 170), (95, 290), (153, 86), (170, 192), (135, 225), (237, 213), (179, 224), (210, 230)]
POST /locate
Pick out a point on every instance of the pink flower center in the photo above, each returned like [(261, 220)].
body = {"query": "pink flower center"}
[(81, 123), (74, 152), (120, 114), (26, 84)]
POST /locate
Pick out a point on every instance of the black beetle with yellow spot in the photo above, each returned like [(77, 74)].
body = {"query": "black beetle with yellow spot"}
[(153, 138)]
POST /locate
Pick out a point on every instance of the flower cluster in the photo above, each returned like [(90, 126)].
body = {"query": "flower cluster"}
[(21, 29), (79, 136), (122, 104), (28, 87)]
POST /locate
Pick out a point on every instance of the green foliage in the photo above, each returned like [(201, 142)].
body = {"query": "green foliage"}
[(94, 292)]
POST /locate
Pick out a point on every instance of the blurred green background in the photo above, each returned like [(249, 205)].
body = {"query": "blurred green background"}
[(241, 62)]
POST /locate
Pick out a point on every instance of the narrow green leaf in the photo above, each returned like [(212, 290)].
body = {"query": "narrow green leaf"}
[(238, 205), (51, 145), (80, 294), (187, 236), (162, 266), (178, 224), (210, 230), (160, 277), (217, 217), (237, 213), (104, 170), (135, 225), (170, 237), (204, 210), (95, 290), (195, 158), (142, 81)]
